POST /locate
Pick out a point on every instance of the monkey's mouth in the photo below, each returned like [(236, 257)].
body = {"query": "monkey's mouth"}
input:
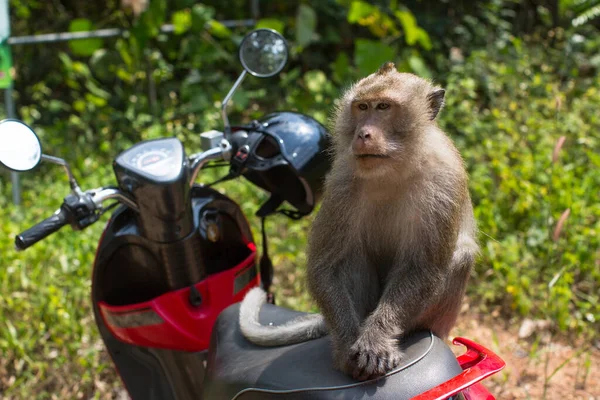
[(364, 156)]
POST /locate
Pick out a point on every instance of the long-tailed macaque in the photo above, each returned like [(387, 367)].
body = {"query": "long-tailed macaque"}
[(392, 246)]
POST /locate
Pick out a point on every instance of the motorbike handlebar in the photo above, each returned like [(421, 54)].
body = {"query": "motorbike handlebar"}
[(81, 205), (41, 230), (197, 161)]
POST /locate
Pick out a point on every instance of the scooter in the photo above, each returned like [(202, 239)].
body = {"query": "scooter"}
[(176, 258)]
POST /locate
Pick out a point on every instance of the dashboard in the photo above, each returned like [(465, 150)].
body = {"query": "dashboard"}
[(158, 160)]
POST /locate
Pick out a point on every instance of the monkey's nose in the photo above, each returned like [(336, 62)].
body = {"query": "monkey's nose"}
[(364, 135), (359, 145)]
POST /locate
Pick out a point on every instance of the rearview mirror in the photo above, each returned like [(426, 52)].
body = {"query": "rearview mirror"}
[(263, 53), (20, 148)]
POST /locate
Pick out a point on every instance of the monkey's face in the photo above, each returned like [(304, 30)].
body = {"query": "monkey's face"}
[(382, 118), (375, 140), (381, 128)]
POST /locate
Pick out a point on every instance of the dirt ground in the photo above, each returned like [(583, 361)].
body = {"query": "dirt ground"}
[(537, 367)]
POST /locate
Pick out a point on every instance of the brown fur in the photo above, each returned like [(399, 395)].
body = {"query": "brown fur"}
[(392, 246)]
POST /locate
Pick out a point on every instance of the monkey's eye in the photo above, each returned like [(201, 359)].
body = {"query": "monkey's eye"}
[(383, 106), (362, 106)]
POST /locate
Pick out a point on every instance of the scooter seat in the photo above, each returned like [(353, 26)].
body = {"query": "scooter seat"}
[(238, 369)]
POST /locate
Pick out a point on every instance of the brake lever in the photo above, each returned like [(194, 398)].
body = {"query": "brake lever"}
[(197, 161), (100, 195), (85, 208)]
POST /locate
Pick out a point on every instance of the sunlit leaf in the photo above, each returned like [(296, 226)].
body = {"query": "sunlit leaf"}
[(83, 47), (218, 29), (182, 21), (413, 33), (360, 10), (271, 23), (378, 22), (201, 16), (315, 80)]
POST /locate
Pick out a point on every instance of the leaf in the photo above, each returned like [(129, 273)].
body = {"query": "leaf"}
[(218, 29), (271, 23), (182, 21), (424, 39), (123, 50), (340, 67), (419, 67), (369, 55), (586, 16), (306, 23), (67, 62), (83, 47), (201, 16), (79, 105), (360, 10), (12, 331), (378, 22), (149, 23), (96, 91), (97, 101), (413, 33), (315, 81), (409, 24)]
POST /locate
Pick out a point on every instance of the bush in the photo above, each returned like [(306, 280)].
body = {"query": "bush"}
[(507, 112)]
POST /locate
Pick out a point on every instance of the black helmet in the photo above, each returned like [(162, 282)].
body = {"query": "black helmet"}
[(285, 153)]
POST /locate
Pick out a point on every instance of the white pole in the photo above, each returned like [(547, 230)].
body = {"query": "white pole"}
[(8, 95)]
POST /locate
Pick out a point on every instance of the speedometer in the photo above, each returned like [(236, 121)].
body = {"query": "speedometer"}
[(160, 159), (153, 162)]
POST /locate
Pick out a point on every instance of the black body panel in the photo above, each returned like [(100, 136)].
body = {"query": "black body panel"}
[(131, 268)]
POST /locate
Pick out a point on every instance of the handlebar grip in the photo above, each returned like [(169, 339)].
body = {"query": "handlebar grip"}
[(39, 231)]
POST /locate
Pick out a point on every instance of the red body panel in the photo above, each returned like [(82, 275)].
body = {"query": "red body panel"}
[(477, 363), (169, 321)]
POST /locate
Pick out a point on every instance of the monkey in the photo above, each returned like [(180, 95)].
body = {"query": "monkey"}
[(392, 246)]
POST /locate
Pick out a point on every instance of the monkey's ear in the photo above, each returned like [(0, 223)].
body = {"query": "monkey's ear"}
[(386, 68), (435, 100)]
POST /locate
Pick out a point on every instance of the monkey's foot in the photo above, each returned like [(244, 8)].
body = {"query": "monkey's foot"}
[(369, 359)]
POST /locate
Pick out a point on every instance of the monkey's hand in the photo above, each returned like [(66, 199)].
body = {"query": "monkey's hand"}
[(373, 355)]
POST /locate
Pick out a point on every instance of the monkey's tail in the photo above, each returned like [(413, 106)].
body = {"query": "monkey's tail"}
[(297, 330)]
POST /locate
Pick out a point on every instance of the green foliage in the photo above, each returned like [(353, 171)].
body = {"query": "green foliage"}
[(584, 10), (510, 97), (520, 192)]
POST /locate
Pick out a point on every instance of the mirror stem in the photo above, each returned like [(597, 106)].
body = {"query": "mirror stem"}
[(60, 161), (228, 98)]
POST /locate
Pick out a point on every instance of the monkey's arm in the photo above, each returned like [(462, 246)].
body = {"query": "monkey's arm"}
[(411, 290), (335, 268), (414, 287), (330, 283)]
